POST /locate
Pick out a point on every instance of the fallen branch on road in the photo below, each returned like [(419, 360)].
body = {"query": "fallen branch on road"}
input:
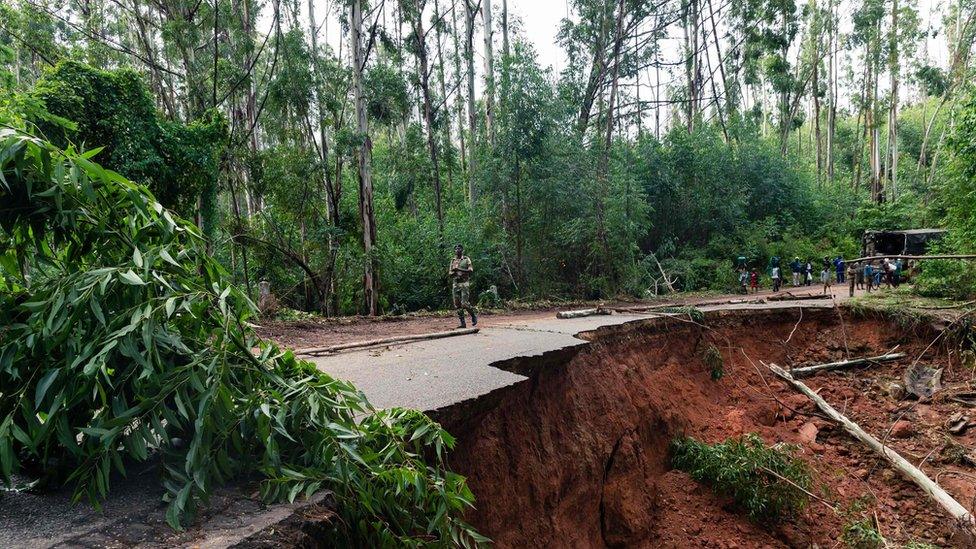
[(788, 296), (960, 515), (583, 312), (383, 341), (810, 370), (912, 257)]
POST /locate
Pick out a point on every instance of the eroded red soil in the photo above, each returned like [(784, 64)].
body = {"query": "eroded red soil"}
[(576, 456)]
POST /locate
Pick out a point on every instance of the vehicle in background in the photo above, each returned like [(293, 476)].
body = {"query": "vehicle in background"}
[(894, 243)]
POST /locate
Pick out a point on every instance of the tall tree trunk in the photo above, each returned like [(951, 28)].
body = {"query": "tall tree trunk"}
[(637, 86), (730, 106), (329, 305), (370, 277), (832, 90), (893, 70), (815, 39), (489, 71), (505, 45), (442, 81), (691, 62), (469, 12), (417, 20), (603, 173), (459, 101), (877, 186)]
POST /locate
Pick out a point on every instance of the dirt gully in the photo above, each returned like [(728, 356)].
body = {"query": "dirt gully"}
[(577, 454)]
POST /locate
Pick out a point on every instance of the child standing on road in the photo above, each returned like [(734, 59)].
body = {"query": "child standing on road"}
[(851, 277), (776, 278), (754, 281), (825, 279), (869, 276)]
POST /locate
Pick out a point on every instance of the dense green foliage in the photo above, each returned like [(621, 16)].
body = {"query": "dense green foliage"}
[(561, 185), (956, 201), (115, 111), (768, 482), (122, 340)]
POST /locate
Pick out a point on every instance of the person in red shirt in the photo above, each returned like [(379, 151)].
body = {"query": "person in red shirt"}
[(754, 281)]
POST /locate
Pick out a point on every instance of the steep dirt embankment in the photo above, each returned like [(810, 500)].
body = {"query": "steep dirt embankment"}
[(576, 456)]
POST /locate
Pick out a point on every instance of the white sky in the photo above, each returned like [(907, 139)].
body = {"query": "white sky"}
[(539, 22)]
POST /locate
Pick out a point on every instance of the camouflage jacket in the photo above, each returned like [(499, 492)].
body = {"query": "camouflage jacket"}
[(460, 270)]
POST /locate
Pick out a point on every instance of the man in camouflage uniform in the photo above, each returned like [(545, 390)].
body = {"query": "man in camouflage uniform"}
[(460, 273)]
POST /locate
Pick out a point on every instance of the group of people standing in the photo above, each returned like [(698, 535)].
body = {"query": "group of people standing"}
[(861, 275), (871, 274)]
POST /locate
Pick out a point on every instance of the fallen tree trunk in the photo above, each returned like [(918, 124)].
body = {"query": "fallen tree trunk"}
[(791, 297), (913, 257), (659, 306), (383, 341), (810, 370), (960, 515), (582, 312)]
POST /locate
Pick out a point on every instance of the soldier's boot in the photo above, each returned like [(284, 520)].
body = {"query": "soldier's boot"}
[(461, 318), (474, 318)]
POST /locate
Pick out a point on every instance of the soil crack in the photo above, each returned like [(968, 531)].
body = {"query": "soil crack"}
[(606, 473)]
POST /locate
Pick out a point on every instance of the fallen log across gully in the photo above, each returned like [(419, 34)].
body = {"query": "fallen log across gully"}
[(961, 516)]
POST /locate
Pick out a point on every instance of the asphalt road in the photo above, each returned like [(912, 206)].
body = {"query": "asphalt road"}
[(432, 374)]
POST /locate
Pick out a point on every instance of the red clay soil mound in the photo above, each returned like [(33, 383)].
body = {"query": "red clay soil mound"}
[(577, 455)]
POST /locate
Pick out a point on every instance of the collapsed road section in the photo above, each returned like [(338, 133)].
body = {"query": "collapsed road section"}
[(576, 455)]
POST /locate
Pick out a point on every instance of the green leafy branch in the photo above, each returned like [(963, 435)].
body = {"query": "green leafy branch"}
[(121, 339)]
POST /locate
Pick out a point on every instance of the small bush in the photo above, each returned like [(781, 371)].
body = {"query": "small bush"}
[(750, 472), (694, 313), (713, 359), (947, 278), (861, 534)]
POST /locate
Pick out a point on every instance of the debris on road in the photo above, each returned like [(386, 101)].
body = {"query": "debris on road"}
[(313, 351), (958, 424), (579, 313), (923, 381)]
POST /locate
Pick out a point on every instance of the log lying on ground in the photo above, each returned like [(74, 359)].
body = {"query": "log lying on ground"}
[(962, 517), (383, 341), (583, 312), (810, 370), (791, 297), (659, 306), (758, 300), (912, 257)]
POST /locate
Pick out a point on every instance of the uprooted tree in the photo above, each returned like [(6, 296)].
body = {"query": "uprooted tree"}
[(121, 341)]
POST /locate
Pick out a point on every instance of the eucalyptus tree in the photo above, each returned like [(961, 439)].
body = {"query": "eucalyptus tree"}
[(867, 33), (470, 10), (364, 159), (489, 33), (413, 11)]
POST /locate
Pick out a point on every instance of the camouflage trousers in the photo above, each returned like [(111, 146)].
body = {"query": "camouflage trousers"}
[(462, 295)]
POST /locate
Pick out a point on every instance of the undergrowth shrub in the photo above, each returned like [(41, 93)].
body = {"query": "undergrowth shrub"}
[(861, 534), (713, 360), (767, 482), (952, 279), (121, 339), (694, 313)]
